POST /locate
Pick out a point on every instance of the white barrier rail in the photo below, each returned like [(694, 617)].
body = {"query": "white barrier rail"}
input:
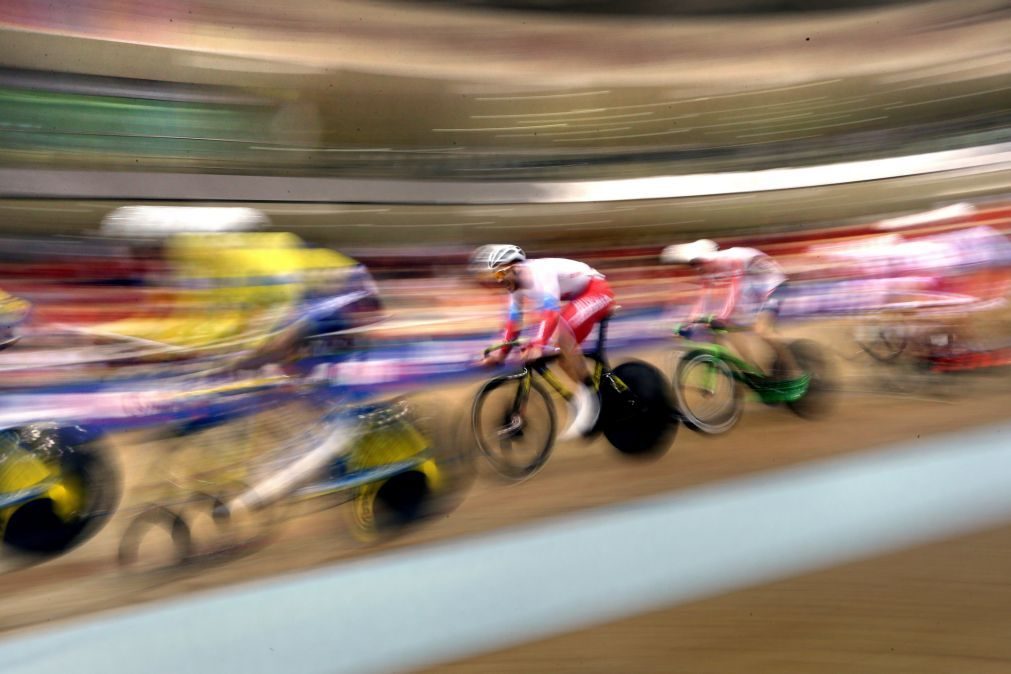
[(45, 184)]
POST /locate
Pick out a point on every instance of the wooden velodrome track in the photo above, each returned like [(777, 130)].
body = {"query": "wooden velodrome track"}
[(943, 607)]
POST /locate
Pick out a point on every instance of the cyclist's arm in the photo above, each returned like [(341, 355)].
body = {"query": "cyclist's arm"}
[(732, 297), (514, 322), (550, 309), (702, 310)]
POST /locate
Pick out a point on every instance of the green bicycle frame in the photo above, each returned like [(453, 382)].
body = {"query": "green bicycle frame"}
[(770, 392)]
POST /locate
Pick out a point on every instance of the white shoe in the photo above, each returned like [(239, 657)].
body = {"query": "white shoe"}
[(583, 411)]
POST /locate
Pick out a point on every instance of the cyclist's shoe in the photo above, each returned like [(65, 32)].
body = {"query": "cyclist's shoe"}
[(583, 411)]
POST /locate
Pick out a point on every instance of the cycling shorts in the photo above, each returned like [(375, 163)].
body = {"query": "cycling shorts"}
[(587, 309)]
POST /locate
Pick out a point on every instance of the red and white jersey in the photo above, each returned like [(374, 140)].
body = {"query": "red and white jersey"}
[(544, 284), (552, 278), (736, 282)]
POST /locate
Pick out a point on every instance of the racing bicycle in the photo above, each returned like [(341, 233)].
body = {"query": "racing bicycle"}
[(401, 467), (710, 380), (513, 416)]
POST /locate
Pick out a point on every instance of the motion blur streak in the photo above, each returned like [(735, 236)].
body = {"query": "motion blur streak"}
[(63, 184)]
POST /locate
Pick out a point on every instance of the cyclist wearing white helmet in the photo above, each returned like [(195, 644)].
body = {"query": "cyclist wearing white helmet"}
[(741, 287), (544, 284)]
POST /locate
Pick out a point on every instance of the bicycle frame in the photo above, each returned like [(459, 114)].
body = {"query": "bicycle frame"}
[(601, 370), (387, 444), (770, 392), (743, 370), (367, 461)]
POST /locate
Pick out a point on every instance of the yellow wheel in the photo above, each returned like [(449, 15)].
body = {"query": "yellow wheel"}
[(81, 490)]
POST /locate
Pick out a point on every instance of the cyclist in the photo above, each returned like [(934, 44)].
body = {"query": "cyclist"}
[(545, 284), (342, 298), (741, 287)]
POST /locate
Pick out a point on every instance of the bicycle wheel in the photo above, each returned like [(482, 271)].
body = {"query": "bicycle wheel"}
[(882, 343), (170, 533), (385, 508), (88, 474), (447, 426), (381, 511), (816, 402), (639, 420), (513, 429), (707, 393)]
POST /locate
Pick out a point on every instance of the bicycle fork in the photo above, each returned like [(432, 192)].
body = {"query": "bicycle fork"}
[(519, 410)]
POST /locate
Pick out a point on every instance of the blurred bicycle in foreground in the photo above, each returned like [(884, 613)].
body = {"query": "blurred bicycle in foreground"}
[(256, 322)]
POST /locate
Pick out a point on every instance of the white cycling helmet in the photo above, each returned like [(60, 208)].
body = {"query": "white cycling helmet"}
[(685, 253), (495, 256)]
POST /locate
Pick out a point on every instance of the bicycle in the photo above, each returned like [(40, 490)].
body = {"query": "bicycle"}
[(919, 357), (398, 470), (710, 380), (636, 413)]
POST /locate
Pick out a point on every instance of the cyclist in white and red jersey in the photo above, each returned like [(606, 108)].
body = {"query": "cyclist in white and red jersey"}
[(742, 288), (544, 284)]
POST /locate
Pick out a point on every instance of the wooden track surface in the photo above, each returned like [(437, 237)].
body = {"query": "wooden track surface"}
[(842, 618)]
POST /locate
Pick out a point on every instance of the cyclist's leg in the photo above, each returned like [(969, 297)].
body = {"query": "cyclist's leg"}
[(576, 322), (765, 328), (738, 337), (756, 325), (572, 362), (338, 440)]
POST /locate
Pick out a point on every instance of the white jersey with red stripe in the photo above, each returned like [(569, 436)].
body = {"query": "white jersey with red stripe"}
[(552, 277), (544, 284), (736, 283)]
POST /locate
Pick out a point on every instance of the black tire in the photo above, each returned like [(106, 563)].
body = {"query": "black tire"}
[(817, 401), (640, 421), (724, 417), (401, 500), (447, 428), (381, 511), (538, 427), (35, 528), (451, 445)]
